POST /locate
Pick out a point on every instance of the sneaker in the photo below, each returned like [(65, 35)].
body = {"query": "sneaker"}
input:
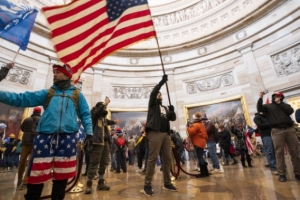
[(274, 172), (267, 165), (183, 164), (170, 187), (147, 191), (282, 178), (138, 171), (217, 171)]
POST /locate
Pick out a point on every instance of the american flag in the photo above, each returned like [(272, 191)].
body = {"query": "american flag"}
[(85, 32)]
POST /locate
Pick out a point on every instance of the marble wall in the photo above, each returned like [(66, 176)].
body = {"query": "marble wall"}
[(264, 55)]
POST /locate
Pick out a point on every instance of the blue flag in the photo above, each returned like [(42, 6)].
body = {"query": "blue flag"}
[(16, 22)]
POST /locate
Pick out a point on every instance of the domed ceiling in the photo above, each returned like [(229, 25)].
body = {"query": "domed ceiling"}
[(186, 24)]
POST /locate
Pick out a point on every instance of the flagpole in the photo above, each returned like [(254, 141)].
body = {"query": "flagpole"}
[(16, 55), (162, 64)]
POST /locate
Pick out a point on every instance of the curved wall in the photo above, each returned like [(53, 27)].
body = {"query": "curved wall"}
[(262, 55)]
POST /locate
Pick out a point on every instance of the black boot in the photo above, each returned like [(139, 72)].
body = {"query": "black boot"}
[(34, 191), (206, 169), (88, 189), (243, 163), (202, 172), (249, 162), (101, 185), (58, 189)]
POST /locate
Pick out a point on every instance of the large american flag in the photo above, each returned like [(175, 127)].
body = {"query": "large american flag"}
[(86, 31)]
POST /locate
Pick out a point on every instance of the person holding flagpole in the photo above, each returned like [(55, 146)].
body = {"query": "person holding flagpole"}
[(158, 133), (54, 147)]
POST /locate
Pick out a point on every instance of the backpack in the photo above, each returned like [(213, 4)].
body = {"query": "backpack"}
[(216, 134), (179, 143), (74, 97), (19, 147), (189, 145), (120, 142)]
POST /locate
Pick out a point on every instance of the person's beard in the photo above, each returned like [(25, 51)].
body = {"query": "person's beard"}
[(104, 113), (159, 101)]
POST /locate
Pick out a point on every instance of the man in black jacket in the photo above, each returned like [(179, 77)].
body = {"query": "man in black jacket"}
[(264, 130), (98, 145), (278, 115), (158, 129), (28, 126)]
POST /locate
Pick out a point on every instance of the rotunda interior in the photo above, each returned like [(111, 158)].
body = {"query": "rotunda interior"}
[(218, 55)]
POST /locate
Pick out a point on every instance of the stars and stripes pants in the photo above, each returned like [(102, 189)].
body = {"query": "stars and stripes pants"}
[(55, 152)]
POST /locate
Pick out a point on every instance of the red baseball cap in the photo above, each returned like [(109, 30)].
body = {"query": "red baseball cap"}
[(65, 69)]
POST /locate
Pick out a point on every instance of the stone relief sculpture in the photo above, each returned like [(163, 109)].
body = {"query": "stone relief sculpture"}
[(131, 92), (18, 75), (210, 83), (187, 13), (287, 62)]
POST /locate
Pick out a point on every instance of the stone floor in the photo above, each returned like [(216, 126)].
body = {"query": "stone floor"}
[(234, 183)]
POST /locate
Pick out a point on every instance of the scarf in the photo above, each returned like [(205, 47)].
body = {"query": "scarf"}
[(63, 85)]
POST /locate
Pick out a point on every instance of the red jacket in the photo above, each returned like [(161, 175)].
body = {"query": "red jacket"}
[(198, 135)]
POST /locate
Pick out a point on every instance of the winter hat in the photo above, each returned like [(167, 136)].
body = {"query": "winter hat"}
[(37, 110), (204, 117), (279, 94), (12, 135), (65, 69), (197, 115), (2, 125), (119, 132)]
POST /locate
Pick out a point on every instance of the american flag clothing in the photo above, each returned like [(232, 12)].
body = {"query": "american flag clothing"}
[(55, 152), (85, 32)]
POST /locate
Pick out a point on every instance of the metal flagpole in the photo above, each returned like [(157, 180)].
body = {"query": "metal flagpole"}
[(162, 64), (16, 55)]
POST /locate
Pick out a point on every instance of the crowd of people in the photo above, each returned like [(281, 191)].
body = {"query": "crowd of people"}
[(47, 149)]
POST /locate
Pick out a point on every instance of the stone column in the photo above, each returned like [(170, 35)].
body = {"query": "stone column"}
[(97, 85), (252, 70)]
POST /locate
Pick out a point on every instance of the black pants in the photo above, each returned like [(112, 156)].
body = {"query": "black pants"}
[(227, 152), (243, 153), (34, 191), (141, 155)]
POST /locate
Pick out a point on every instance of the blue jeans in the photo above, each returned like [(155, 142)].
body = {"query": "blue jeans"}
[(269, 151), (199, 152), (212, 149), (183, 156), (130, 157), (113, 161)]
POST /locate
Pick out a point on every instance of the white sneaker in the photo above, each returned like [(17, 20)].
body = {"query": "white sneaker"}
[(274, 172), (217, 171), (138, 170)]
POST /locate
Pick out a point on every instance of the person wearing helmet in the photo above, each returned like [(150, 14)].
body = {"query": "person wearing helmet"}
[(55, 144), (278, 115)]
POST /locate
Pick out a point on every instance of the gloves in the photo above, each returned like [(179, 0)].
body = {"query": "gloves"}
[(188, 123), (10, 65), (88, 143), (164, 78), (171, 108)]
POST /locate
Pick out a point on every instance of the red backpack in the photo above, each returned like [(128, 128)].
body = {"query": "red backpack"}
[(120, 142)]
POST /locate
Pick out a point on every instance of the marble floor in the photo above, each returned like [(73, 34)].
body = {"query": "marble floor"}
[(235, 182)]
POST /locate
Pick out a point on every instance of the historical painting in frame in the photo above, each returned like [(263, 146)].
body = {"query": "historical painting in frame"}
[(224, 111), (130, 119), (12, 117)]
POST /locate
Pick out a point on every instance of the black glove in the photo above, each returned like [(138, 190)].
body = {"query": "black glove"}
[(188, 123), (171, 108), (88, 144), (164, 78)]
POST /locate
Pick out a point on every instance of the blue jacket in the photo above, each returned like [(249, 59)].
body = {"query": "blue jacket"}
[(60, 116)]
